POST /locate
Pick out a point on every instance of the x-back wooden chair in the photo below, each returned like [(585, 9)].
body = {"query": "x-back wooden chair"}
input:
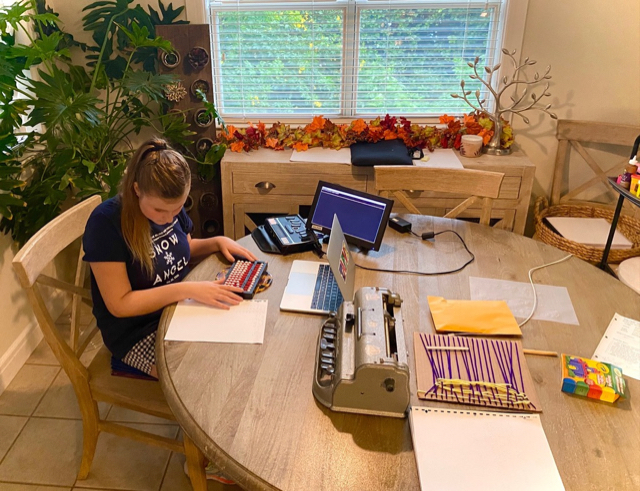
[(572, 135), (482, 187), (95, 382)]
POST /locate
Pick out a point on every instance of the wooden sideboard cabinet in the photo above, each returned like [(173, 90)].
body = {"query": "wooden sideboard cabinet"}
[(264, 181)]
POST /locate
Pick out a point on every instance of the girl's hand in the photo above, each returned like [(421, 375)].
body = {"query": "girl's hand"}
[(216, 294), (230, 248)]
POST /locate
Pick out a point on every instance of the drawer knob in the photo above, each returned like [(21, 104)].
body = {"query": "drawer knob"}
[(266, 185)]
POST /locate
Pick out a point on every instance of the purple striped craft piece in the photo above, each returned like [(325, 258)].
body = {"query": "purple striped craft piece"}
[(476, 371)]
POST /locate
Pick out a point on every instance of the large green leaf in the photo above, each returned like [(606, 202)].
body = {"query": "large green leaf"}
[(167, 15), (7, 203), (101, 13), (146, 83), (176, 129), (9, 184), (140, 37), (12, 113), (207, 168), (47, 22), (77, 111), (114, 69), (14, 15)]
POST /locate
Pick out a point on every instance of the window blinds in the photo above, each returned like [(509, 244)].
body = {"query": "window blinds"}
[(348, 58)]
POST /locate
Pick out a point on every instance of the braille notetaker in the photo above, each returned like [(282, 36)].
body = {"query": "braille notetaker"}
[(245, 275)]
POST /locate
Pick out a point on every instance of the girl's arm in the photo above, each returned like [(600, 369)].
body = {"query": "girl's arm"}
[(228, 248), (122, 301)]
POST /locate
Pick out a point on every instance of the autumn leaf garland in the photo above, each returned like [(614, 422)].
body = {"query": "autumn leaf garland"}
[(323, 132)]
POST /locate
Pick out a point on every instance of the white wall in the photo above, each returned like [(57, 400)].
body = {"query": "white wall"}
[(18, 334), (19, 331), (594, 50)]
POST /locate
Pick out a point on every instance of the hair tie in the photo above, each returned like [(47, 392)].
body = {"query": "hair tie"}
[(159, 144), (154, 146)]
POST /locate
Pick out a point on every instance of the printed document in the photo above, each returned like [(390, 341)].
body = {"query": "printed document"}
[(620, 346)]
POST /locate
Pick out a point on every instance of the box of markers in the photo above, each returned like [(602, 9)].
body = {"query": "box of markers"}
[(592, 379)]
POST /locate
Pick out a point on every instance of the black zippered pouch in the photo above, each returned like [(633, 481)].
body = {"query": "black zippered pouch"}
[(384, 152)]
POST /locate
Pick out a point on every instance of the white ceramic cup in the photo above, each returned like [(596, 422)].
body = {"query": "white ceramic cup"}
[(471, 146)]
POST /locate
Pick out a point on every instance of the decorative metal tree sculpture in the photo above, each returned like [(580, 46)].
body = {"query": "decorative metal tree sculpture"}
[(517, 104)]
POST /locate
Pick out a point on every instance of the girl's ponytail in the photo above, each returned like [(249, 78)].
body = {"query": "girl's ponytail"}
[(159, 171)]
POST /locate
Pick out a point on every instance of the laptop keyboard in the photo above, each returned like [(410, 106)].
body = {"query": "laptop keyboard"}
[(326, 295)]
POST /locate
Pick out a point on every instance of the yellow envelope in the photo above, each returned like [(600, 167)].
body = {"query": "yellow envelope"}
[(473, 316)]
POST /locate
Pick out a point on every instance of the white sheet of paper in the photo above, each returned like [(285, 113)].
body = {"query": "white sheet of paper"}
[(589, 231), (440, 158), (554, 303), (469, 450), (322, 155), (244, 323), (620, 346)]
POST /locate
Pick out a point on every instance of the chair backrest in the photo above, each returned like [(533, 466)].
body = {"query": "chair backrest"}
[(572, 134), (29, 264), (481, 186)]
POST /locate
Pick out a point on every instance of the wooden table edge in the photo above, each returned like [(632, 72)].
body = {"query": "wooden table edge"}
[(240, 474)]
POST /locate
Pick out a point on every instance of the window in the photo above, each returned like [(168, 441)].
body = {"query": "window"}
[(349, 58)]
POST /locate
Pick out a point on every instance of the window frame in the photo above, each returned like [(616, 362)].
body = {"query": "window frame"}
[(511, 33)]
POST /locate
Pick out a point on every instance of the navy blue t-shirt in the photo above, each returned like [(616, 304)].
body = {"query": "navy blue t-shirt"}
[(103, 242)]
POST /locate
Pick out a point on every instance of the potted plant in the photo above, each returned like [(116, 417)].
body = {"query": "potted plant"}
[(80, 119)]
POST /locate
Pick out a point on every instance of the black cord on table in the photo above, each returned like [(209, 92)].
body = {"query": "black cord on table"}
[(425, 236)]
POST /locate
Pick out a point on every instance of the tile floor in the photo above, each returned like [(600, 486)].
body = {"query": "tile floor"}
[(41, 437)]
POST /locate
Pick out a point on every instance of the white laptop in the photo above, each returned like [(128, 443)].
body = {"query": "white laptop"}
[(319, 288)]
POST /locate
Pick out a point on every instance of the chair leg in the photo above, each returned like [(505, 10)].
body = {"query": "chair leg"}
[(90, 434), (195, 465)]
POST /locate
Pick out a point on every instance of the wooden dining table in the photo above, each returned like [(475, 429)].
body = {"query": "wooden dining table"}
[(250, 407)]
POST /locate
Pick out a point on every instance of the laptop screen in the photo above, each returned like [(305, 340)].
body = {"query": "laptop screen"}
[(363, 216), (341, 261)]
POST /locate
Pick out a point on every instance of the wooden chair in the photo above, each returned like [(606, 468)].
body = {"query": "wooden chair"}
[(482, 187), (95, 382), (572, 135)]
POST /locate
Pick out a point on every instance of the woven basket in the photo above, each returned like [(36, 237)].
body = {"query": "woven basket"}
[(628, 226)]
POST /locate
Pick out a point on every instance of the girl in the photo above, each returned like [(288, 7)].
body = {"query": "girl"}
[(138, 245)]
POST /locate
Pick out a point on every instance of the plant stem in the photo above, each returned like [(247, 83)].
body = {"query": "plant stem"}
[(119, 92), (104, 45)]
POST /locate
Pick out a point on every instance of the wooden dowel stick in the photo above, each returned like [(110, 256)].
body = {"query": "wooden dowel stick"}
[(447, 348), (539, 352)]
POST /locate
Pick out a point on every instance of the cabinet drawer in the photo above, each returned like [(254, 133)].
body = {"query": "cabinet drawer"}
[(290, 184)]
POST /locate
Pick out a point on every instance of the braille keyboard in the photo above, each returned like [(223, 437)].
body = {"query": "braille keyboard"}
[(245, 275)]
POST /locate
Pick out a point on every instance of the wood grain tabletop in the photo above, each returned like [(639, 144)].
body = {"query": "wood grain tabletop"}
[(251, 410)]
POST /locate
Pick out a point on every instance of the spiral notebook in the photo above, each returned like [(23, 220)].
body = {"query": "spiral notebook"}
[(462, 450)]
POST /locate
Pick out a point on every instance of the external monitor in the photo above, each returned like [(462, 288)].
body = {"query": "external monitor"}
[(363, 216)]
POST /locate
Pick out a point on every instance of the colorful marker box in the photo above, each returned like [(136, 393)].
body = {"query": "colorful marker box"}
[(592, 379)]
